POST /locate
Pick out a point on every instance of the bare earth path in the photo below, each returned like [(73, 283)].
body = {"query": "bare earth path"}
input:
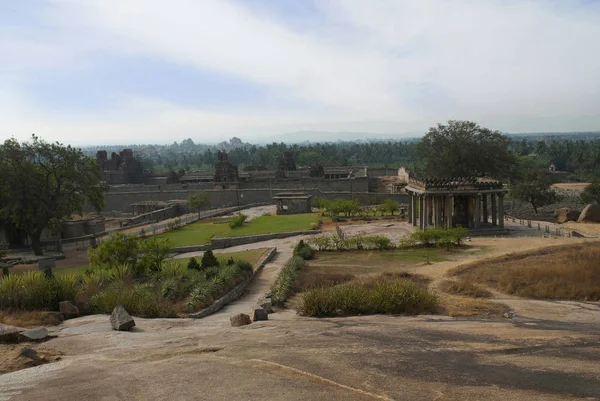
[(550, 351)]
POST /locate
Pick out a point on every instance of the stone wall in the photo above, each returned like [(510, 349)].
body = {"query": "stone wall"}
[(238, 291), (119, 200), (157, 215)]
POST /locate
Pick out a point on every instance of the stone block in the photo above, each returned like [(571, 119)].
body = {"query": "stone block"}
[(259, 313), (9, 334), (266, 304), (590, 214), (241, 319), (120, 320)]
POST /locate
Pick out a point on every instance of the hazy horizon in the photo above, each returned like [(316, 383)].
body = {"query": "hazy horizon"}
[(94, 72)]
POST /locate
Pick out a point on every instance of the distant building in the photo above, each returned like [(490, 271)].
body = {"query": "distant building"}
[(121, 168), (226, 174)]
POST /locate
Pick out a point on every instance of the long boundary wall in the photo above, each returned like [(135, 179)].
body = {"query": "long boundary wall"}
[(121, 201)]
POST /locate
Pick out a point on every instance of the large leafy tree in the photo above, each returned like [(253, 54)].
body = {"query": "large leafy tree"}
[(463, 149), (198, 201), (591, 193), (533, 187), (43, 184)]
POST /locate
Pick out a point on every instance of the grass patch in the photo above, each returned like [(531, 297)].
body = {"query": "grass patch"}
[(367, 296), (560, 272), (464, 287), (359, 263), (202, 232), (283, 286), (24, 318)]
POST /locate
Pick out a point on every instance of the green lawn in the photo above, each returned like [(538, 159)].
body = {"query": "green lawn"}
[(251, 256), (201, 232)]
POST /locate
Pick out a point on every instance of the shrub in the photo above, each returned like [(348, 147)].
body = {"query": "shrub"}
[(118, 249), (304, 250), (34, 291), (140, 300), (284, 283), (193, 264), (442, 237), (367, 297), (153, 253), (237, 221), (209, 260)]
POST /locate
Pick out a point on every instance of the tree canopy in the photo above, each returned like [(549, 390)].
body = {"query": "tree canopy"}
[(43, 184), (464, 149)]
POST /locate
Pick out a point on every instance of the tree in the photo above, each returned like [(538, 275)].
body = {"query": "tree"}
[(43, 184), (198, 201), (534, 188), (464, 149), (591, 193), (391, 206), (209, 260)]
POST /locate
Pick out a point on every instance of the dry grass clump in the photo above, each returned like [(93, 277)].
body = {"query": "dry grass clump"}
[(26, 319), (368, 296), (464, 287), (561, 272), (469, 307)]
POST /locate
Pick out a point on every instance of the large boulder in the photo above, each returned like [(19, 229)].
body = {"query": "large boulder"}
[(590, 214), (121, 320), (259, 313), (241, 319), (34, 335), (565, 214), (68, 310), (9, 334)]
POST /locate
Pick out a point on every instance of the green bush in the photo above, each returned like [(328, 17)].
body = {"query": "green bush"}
[(441, 237), (209, 260), (34, 291), (193, 264), (367, 297), (237, 221), (304, 250), (356, 242), (284, 283), (140, 300)]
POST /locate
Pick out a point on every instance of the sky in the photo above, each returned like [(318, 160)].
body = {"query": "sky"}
[(89, 72)]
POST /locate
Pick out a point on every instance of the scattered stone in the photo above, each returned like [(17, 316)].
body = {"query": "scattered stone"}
[(68, 310), (266, 304), (34, 335), (576, 234), (29, 353), (510, 314), (9, 334), (121, 320), (566, 214), (259, 313), (241, 319), (387, 225), (268, 295), (590, 214), (52, 318)]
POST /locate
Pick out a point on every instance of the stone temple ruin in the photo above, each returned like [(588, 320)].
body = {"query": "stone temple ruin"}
[(293, 202), (121, 168), (451, 202)]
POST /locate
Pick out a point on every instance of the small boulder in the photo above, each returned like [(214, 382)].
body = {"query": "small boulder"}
[(52, 318), (34, 335), (590, 214), (576, 234), (259, 313), (9, 334), (266, 304), (29, 353), (241, 319), (120, 320), (565, 214), (68, 310)]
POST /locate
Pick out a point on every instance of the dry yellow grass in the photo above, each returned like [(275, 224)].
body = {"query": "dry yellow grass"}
[(455, 306), (26, 319), (578, 186), (560, 272), (464, 287)]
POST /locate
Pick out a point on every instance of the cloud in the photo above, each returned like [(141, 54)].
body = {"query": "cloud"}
[(386, 65)]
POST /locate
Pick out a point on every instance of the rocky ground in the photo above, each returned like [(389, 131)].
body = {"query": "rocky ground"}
[(548, 351)]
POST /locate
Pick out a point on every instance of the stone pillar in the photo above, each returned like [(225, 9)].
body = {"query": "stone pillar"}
[(477, 212), (494, 211), (485, 209), (414, 210), (434, 212), (450, 210), (501, 210), (470, 207), (426, 202), (421, 210), (410, 197)]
